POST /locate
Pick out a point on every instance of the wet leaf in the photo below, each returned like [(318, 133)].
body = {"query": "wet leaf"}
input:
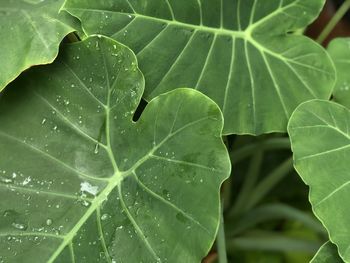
[(339, 49), (242, 54), (327, 253), (82, 182), (30, 33), (320, 135)]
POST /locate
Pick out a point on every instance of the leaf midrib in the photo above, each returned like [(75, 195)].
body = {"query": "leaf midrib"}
[(113, 182), (246, 34), (216, 30)]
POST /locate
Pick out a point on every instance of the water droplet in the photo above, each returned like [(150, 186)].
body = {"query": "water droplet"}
[(43, 121), (85, 203), (6, 180), (19, 226), (49, 222), (97, 146), (105, 217)]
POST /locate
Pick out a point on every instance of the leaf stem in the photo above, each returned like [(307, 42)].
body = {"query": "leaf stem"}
[(73, 37), (273, 212), (333, 22), (249, 182), (269, 183), (221, 239), (266, 145), (269, 241)]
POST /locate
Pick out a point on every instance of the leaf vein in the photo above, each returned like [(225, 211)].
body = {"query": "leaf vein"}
[(136, 226), (173, 206)]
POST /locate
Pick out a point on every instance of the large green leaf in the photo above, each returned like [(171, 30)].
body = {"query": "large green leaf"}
[(240, 53), (82, 182), (30, 33), (327, 254), (320, 135), (339, 49)]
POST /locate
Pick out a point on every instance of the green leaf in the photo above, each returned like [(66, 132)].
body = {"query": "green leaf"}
[(320, 135), (239, 53), (82, 182), (30, 33), (339, 49), (327, 253)]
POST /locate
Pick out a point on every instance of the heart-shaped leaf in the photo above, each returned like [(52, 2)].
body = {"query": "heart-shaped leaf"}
[(82, 182), (240, 53), (339, 49), (320, 135), (327, 254), (30, 33)]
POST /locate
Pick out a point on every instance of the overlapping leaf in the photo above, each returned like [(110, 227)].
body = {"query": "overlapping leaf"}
[(339, 49), (327, 254), (30, 33), (240, 53), (81, 182), (320, 135)]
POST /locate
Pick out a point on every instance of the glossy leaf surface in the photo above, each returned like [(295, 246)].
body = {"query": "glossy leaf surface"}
[(320, 135), (339, 49), (30, 33), (81, 182), (239, 53), (327, 254)]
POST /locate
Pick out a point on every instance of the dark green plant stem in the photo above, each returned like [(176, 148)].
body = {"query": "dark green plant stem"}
[(271, 180), (73, 37), (267, 241), (273, 212), (227, 193), (334, 21), (221, 239), (249, 182), (227, 185), (266, 145)]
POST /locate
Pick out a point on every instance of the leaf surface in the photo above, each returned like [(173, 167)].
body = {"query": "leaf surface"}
[(339, 49), (80, 181), (30, 33), (239, 53), (326, 254), (320, 135)]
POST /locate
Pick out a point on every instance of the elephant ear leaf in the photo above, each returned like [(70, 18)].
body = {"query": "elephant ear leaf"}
[(327, 253), (242, 54), (80, 181), (339, 49), (30, 33), (320, 136)]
